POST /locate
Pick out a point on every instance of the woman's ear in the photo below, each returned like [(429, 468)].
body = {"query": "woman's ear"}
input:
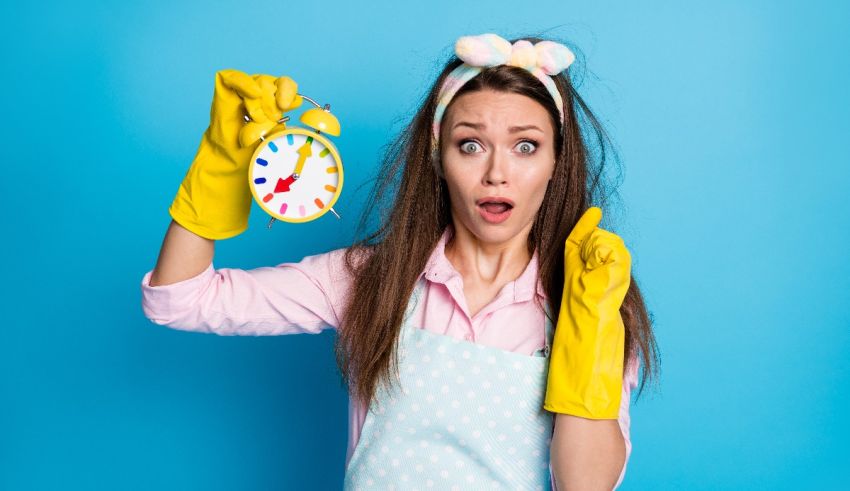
[(437, 163)]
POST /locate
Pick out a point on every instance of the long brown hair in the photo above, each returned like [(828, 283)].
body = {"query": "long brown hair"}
[(410, 204)]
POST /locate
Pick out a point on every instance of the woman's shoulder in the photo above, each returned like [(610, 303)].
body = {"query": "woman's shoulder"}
[(333, 269)]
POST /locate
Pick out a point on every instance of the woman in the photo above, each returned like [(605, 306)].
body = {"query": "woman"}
[(445, 314)]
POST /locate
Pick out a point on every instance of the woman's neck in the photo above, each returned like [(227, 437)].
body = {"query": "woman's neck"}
[(487, 263)]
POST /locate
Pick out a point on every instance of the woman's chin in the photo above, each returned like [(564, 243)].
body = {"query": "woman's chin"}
[(497, 233)]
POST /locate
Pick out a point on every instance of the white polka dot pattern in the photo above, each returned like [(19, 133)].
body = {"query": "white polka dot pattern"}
[(462, 416)]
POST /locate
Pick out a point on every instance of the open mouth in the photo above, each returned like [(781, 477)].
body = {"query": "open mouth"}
[(495, 210)]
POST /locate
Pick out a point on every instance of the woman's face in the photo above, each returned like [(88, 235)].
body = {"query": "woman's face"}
[(496, 146)]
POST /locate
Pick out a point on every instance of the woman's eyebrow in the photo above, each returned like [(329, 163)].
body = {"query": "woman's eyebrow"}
[(514, 129), (481, 126)]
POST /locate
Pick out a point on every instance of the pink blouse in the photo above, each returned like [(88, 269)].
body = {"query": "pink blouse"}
[(306, 297)]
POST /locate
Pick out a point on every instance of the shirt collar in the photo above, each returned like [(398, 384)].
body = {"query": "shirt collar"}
[(439, 269)]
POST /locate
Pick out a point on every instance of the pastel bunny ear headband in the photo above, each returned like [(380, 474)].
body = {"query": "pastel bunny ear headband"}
[(543, 60)]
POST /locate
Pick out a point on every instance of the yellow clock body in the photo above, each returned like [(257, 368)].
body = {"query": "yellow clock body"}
[(296, 175)]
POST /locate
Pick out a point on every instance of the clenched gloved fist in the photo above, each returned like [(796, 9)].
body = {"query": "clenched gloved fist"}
[(214, 199)]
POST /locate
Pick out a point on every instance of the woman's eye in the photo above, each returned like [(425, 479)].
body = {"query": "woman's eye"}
[(527, 146), (468, 146)]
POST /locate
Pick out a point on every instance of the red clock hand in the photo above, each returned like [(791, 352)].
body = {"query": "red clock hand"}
[(283, 184)]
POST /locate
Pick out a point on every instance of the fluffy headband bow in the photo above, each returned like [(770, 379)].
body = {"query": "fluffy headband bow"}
[(543, 60)]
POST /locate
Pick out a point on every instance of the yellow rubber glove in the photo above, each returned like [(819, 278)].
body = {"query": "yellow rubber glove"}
[(214, 199), (586, 362)]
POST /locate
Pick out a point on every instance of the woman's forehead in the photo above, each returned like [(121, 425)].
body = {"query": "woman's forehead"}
[(490, 110)]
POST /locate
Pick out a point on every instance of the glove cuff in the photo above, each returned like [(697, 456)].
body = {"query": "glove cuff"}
[(190, 222)]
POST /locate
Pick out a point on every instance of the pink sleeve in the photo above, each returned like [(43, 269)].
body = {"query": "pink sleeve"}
[(629, 382), (290, 298)]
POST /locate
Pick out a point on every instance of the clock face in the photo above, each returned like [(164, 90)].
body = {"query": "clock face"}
[(296, 175)]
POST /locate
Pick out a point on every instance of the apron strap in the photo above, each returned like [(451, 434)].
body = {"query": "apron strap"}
[(548, 336), (418, 289)]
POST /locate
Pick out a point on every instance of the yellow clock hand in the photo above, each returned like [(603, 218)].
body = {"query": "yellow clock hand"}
[(304, 151)]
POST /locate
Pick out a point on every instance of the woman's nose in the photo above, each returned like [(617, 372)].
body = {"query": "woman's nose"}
[(496, 171)]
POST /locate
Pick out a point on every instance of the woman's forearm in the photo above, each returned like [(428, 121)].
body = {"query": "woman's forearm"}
[(182, 256), (586, 454)]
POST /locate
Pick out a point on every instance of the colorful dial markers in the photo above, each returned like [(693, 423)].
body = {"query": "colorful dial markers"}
[(296, 175)]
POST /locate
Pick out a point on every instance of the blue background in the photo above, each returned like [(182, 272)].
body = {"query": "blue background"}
[(731, 120)]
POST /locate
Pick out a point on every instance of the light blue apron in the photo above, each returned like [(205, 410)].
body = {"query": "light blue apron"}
[(463, 416)]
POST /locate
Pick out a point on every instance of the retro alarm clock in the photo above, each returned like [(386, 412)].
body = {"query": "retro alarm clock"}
[(296, 173)]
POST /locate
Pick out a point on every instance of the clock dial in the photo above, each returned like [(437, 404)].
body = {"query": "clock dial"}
[(296, 175)]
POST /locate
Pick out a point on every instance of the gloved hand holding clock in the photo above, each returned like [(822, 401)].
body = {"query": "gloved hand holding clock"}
[(586, 361), (214, 199)]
